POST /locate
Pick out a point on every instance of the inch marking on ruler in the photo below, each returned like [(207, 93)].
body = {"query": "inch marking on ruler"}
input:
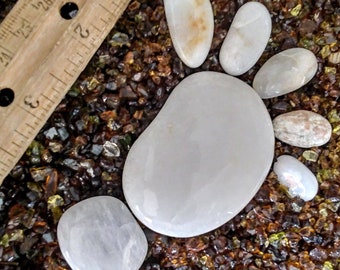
[(41, 55)]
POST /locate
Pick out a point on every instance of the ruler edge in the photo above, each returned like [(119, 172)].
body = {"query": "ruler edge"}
[(114, 17)]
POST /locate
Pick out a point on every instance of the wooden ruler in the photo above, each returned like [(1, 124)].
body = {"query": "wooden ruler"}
[(44, 46)]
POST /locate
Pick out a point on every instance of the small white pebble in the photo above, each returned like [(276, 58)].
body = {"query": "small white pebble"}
[(294, 175), (302, 128), (285, 72), (246, 39)]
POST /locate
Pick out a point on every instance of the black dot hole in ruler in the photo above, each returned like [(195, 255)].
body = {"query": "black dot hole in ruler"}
[(6, 97), (69, 10)]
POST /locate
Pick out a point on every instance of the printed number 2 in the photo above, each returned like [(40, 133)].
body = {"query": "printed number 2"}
[(83, 33), (45, 5)]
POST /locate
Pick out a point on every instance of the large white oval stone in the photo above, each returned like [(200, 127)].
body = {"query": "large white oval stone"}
[(203, 157), (285, 72), (100, 233), (246, 39), (295, 176), (302, 128), (191, 26)]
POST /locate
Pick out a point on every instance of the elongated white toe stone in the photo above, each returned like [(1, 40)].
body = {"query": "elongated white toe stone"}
[(191, 26), (246, 39), (302, 128), (294, 175), (101, 234), (285, 72), (203, 157)]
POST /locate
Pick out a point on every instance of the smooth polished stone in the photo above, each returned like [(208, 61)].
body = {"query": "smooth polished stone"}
[(285, 72), (246, 39), (101, 234), (296, 177), (302, 128), (203, 157), (191, 26)]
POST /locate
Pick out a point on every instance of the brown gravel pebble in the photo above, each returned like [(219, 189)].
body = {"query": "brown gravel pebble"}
[(80, 152)]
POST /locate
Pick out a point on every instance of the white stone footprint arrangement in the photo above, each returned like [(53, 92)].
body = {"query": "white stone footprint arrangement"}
[(209, 149)]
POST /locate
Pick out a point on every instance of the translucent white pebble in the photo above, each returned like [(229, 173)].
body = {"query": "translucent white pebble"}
[(246, 39), (101, 234), (285, 72), (191, 26), (302, 128), (294, 175), (203, 157)]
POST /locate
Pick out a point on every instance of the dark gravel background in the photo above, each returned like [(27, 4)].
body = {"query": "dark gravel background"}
[(80, 152)]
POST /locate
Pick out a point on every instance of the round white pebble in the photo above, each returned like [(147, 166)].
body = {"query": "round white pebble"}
[(246, 39), (191, 26), (285, 72), (294, 175), (203, 157), (100, 233), (302, 128)]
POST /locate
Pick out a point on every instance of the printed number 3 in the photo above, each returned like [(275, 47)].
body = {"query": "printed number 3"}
[(30, 102)]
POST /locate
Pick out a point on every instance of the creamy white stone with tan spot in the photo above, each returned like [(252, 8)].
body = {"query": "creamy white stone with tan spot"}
[(191, 26)]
